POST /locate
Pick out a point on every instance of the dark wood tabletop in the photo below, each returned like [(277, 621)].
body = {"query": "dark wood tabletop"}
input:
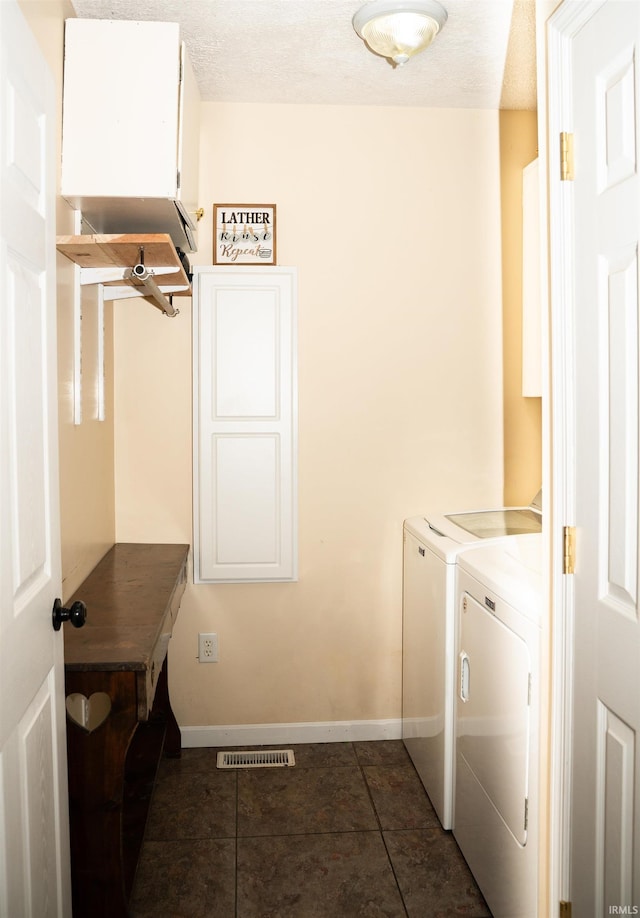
[(132, 598)]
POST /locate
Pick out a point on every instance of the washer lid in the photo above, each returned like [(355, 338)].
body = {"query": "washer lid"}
[(481, 525), (492, 524), (443, 531)]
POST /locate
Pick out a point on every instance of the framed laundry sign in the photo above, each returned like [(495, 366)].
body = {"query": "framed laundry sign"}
[(244, 234)]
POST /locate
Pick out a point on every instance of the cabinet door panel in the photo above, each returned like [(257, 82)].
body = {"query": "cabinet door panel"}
[(245, 340), (245, 479)]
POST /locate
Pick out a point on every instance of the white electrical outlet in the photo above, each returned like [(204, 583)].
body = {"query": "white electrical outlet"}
[(208, 647)]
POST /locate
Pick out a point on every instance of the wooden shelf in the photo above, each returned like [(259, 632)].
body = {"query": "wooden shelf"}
[(110, 259), (113, 251)]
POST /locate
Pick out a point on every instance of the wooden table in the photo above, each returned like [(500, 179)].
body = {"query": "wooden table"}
[(119, 716)]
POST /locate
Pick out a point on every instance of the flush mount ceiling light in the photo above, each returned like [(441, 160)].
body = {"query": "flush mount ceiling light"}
[(398, 29)]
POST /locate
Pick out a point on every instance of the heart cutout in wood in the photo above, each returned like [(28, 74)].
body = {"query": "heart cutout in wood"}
[(88, 713)]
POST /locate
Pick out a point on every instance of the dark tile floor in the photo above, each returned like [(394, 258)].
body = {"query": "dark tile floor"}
[(347, 832)]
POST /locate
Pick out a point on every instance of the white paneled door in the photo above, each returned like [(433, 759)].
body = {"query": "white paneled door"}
[(34, 843), (599, 58)]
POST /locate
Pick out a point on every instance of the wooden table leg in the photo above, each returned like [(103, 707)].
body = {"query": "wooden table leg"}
[(162, 707), (96, 763), (103, 861)]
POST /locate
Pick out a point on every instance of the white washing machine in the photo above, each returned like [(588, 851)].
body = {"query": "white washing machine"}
[(496, 812), (431, 546)]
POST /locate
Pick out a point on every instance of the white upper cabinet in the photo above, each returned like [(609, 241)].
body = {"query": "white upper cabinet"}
[(245, 424), (131, 123)]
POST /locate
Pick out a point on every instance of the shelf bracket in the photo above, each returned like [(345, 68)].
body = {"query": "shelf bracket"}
[(113, 274)]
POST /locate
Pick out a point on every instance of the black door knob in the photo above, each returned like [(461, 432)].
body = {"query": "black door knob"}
[(77, 614)]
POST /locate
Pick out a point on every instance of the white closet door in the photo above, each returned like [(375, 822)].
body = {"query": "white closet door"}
[(245, 424)]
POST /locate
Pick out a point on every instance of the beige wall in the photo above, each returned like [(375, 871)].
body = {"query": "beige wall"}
[(522, 416), (392, 217), (87, 504)]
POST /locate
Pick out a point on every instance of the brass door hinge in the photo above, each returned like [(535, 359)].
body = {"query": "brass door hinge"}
[(565, 909), (567, 172), (568, 549)]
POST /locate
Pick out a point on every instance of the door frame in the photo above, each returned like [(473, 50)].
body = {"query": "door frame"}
[(562, 27)]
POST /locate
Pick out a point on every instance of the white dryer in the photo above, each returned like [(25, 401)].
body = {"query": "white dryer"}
[(432, 544), (496, 812)]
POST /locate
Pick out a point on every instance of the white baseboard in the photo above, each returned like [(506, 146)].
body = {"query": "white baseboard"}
[(344, 731)]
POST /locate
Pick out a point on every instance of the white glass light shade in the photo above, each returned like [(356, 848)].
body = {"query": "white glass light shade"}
[(398, 29)]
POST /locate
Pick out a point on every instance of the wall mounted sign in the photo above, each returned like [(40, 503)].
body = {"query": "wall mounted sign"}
[(244, 234)]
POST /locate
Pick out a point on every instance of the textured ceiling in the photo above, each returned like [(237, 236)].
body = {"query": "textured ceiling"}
[(306, 51)]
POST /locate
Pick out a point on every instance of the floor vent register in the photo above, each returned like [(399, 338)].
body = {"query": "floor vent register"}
[(265, 758)]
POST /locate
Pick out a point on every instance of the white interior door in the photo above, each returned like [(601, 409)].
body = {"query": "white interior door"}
[(597, 298), (34, 843)]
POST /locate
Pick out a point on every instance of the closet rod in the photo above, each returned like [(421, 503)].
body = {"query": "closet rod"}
[(144, 281)]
